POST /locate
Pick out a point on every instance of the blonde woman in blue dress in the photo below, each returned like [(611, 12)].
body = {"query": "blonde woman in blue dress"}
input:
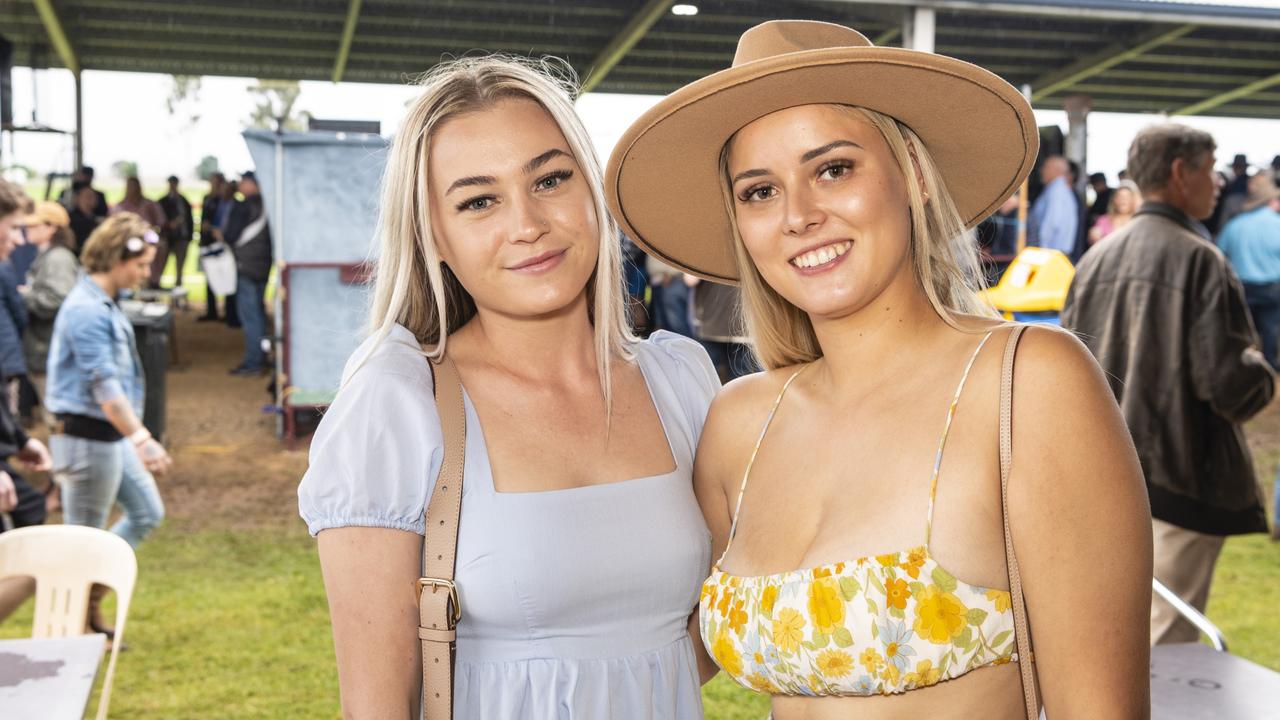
[(854, 490), (581, 546)]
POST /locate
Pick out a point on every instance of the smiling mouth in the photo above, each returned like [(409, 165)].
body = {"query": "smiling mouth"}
[(822, 256), (538, 261)]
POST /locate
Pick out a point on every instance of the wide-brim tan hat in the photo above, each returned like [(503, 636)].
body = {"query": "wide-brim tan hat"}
[(663, 181)]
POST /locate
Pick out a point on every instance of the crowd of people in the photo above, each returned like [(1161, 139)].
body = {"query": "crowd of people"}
[(1164, 311), (1214, 314), (69, 355)]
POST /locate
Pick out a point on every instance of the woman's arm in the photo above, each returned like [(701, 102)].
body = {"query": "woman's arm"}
[(1081, 528), (722, 456), (370, 577)]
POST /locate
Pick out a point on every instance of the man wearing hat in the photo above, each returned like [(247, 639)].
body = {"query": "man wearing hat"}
[(1251, 241), (1165, 315), (1234, 192)]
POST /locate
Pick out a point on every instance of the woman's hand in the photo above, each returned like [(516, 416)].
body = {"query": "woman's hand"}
[(153, 456), (8, 493), (34, 456)]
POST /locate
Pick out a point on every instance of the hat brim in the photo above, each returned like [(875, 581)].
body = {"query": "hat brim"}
[(663, 181)]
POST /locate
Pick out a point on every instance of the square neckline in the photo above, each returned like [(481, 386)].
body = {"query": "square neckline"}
[(662, 422)]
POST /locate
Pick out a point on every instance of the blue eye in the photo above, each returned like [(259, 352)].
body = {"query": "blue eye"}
[(553, 180), (484, 202)]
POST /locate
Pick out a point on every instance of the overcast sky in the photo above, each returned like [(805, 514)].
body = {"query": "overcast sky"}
[(126, 119)]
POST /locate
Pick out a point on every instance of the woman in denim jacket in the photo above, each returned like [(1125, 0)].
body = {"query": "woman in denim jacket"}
[(101, 450), (100, 447)]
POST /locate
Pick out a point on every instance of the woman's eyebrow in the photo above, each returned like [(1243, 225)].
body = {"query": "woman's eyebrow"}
[(816, 152), (529, 167), (543, 159), (748, 174), (806, 157), (471, 181)]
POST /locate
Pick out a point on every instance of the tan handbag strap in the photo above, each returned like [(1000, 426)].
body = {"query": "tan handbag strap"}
[(1021, 631), (438, 608)]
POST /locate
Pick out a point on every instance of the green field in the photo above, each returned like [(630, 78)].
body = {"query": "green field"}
[(234, 624)]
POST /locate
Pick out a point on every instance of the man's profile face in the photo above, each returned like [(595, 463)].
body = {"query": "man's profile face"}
[(1200, 187)]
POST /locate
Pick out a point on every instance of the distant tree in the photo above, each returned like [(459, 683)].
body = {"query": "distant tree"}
[(274, 101), (124, 169), (184, 98), (208, 166)]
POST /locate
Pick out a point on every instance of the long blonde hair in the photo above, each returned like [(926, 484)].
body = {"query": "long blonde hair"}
[(944, 256), (411, 285)]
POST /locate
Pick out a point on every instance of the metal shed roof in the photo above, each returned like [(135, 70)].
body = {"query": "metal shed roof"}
[(1128, 55)]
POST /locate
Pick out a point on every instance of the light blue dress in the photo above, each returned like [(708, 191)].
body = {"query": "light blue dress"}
[(575, 602)]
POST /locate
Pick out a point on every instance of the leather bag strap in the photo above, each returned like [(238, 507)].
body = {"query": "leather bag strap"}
[(1021, 630), (438, 608)]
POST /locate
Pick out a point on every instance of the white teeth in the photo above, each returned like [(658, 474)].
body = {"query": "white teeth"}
[(822, 255)]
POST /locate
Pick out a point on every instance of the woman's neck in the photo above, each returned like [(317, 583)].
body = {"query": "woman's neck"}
[(876, 341), (558, 345), (105, 282)]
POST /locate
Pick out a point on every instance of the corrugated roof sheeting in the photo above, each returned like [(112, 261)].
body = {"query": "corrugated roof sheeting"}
[(397, 39)]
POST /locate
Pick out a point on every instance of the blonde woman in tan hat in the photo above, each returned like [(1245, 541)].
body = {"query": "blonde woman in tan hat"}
[(871, 562), (580, 548), (51, 276)]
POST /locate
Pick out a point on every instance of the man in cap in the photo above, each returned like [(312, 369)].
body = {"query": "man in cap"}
[(1161, 309)]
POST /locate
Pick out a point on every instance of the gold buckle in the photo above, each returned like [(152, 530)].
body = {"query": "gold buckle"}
[(437, 583)]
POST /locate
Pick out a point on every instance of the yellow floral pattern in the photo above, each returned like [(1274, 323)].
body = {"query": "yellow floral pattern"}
[(877, 626)]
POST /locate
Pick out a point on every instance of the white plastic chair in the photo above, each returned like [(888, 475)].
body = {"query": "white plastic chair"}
[(65, 561)]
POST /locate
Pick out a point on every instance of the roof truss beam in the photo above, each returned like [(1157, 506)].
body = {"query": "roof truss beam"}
[(649, 14), (57, 37), (1104, 59), (1089, 11), (344, 45), (1243, 91)]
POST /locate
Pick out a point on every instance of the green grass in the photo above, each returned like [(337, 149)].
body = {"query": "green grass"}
[(235, 624), (224, 624)]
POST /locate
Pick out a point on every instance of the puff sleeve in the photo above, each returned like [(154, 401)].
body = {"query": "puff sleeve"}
[(689, 369), (376, 454)]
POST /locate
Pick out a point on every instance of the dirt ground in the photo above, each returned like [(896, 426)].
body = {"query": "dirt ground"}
[(231, 471)]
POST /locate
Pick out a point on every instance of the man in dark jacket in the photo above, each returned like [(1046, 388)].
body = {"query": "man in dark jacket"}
[(249, 237), (178, 229), (1164, 313)]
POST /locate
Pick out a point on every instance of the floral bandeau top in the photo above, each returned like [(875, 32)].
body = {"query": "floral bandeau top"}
[(874, 626)]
